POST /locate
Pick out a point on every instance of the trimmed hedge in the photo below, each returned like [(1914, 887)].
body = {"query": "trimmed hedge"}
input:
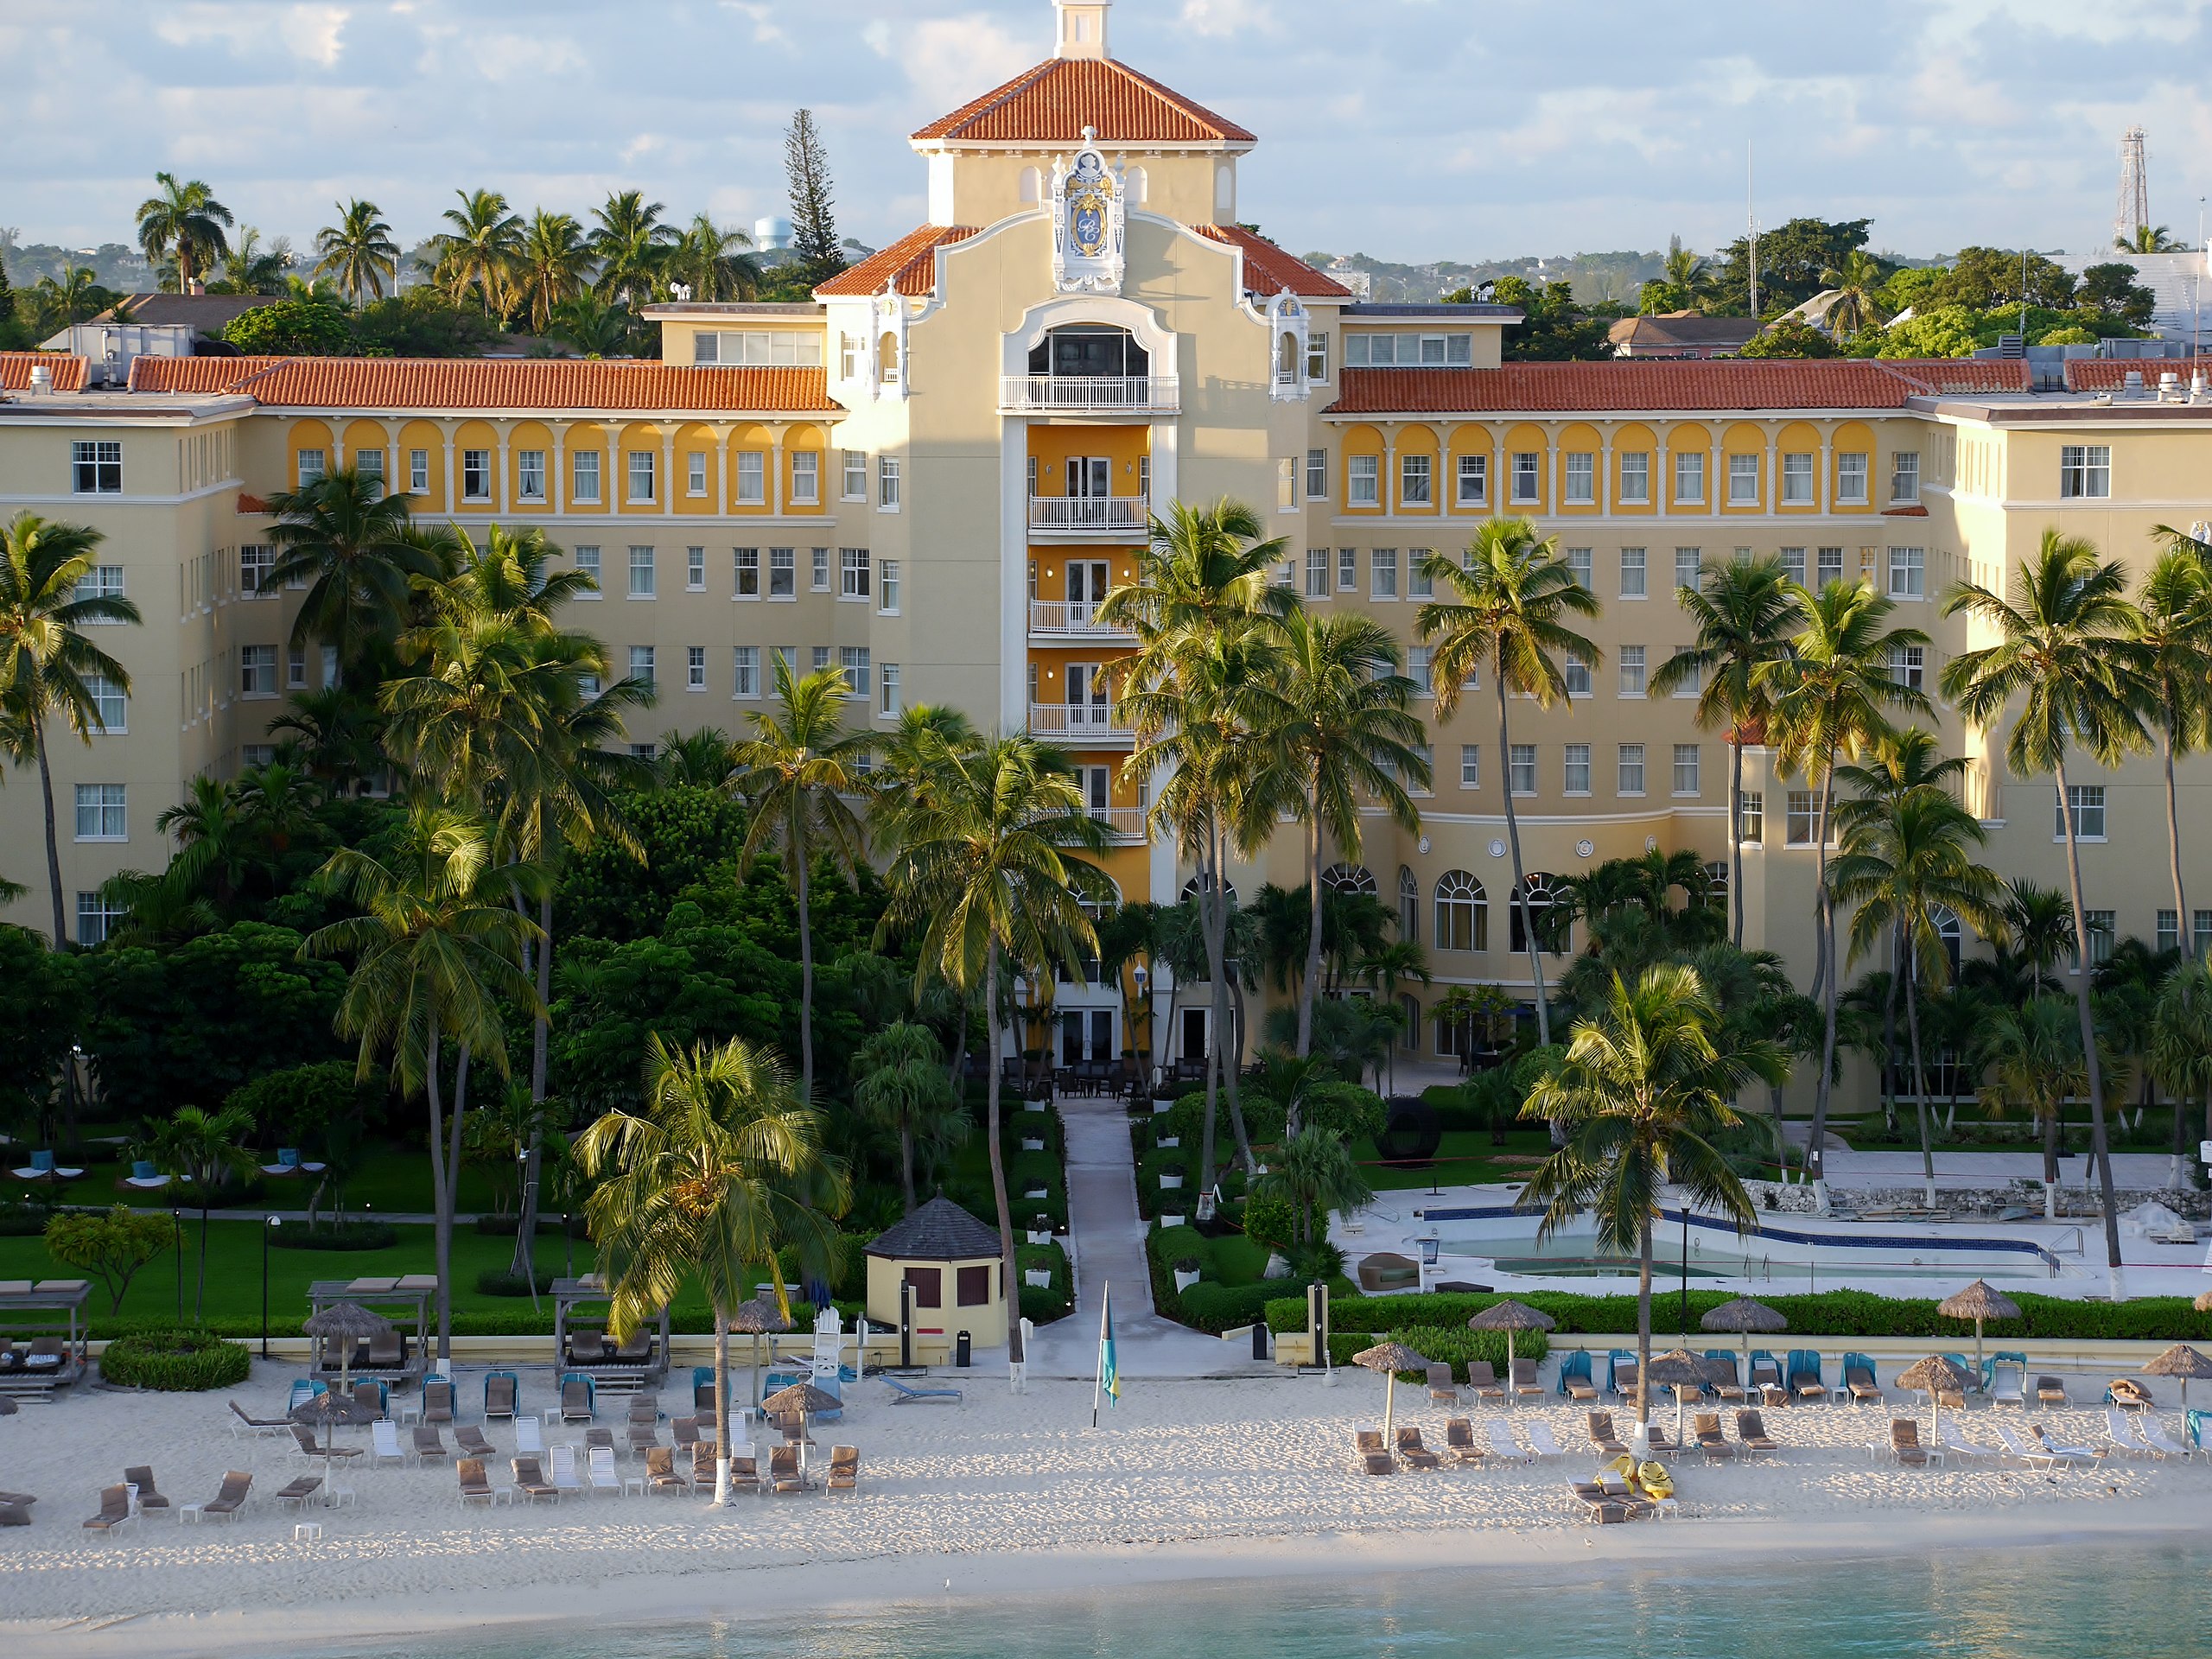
[(504, 1281), (1441, 1344), (175, 1362), (548, 1226), (1042, 1303), (344, 1236)]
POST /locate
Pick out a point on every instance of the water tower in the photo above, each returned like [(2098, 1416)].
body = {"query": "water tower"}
[(772, 232)]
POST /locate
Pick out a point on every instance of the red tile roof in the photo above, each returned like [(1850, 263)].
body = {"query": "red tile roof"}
[(908, 264), (15, 370), (555, 384), (191, 374), (1748, 385), (1053, 103), (2110, 373), (1269, 270)]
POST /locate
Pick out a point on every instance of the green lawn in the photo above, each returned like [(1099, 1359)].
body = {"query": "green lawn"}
[(392, 1179), (1466, 1157)]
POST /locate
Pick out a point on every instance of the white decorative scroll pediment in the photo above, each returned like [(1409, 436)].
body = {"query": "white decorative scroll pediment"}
[(1088, 204)]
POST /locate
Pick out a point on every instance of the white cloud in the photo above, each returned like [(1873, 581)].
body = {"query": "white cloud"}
[(313, 33), (1223, 18), (949, 60)]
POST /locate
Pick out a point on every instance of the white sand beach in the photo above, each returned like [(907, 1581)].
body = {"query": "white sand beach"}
[(1001, 1494)]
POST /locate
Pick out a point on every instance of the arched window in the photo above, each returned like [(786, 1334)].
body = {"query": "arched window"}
[(1225, 189), (1530, 901), (1032, 185), (1408, 906), (1717, 873), (1348, 878), (1136, 184), (1090, 349), (1954, 936), (1462, 912), (887, 359), (1191, 889), (1410, 1022), (1287, 359)]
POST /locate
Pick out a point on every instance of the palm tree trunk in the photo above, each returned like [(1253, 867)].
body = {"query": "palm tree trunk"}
[(906, 1164), (1736, 831), (1213, 1046), (805, 969), (53, 840), (721, 1408), (1520, 898), (1227, 989), (1306, 990), (1643, 1327), (199, 1292), (2181, 929), (1919, 1088), (2050, 1163), (1890, 1028), (442, 1228), (1011, 1276), (1815, 1163), (447, 1196), (525, 1260), (2100, 1146)]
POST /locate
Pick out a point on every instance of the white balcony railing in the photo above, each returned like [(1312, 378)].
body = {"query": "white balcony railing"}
[(1088, 720), (1071, 616), (1090, 394), (1096, 514), (1123, 823)]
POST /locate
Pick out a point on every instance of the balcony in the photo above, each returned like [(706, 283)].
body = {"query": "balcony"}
[(1119, 516), (1124, 823), (1072, 618), (1090, 394), (1078, 722)]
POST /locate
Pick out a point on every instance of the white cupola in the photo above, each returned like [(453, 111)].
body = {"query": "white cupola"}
[(1083, 29)]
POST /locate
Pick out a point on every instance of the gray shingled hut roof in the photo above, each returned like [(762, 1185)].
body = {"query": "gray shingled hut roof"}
[(939, 1231)]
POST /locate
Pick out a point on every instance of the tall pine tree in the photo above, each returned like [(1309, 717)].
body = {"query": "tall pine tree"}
[(814, 225)]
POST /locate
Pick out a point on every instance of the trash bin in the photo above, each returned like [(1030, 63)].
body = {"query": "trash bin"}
[(1259, 1340), (963, 1347)]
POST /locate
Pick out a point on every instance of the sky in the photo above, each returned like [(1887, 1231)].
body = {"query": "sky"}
[(1409, 130)]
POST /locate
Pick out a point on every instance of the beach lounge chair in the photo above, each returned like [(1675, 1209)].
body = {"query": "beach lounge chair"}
[(1859, 1378), (304, 1438), (2050, 1391), (565, 1479), (15, 1508), (2063, 1453), (300, 1489), (1459, 1442), (2129, 1395), (1602, 1436), (1904, 1443), (2120, 1430), (660, 1472), (586, 1348), (502, 1395), (427, 1447), (1574, 1378), (115, 1510), (530, 1482), (703, 1390), (1482, 1383), (602, 1470), (2154, 1436), (643, 1437), (387, 1351), (2005, 1384), (1751, 1435), (744, 1469), (1804, 1375), (1721, 1380), (2035, 1454), (684, 1432), (370, 1402), (1705, 1429), (1441, 1389), (1413, 1453), (1620, 1373), (231, 1498), (259, 1425), (1654, 1433), (1956, 1445), (906, 1394), (703, 1467), (577, 1400), (1541, 1445), (783, 1472), (638, 1350), (384, 1443), (1374, 1456), (471, 1442), (529, 1435), (44, 1355), (1499, 1433), (1602, 1505), (141, 1475), (1766, 1379), (597, 1439), (844, 1470), (1521, 1379), (437, 1402)]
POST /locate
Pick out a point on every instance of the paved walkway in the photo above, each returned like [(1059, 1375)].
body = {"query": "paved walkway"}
[(1955, 1169)]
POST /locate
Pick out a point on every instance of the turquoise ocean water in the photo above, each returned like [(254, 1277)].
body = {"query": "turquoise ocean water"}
[(2050, 1602)]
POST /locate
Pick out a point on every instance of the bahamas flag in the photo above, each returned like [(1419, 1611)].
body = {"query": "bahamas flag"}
[(1109, 1369)]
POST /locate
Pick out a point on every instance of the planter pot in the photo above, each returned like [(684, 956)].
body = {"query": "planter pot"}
[(1170, 1221), (1159, 1106), (1036, 1105), (1031, 1143), (1041, 1236), (1168, 1143), (1040, 1277), (1277, 1267), (1169, 1183), (1037, 1192), (1184, 1281)]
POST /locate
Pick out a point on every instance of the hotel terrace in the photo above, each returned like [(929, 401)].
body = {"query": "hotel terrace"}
[(933, 473)]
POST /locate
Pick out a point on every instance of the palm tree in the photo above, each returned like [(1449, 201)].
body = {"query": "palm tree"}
[(2148, 239), (722, 1167), (1858, 283), (901, 1087), (1831, 695), (2172, 626), (550, 266), (2039, 927), (435, 949), (1648, 1081), (1313, 1171), (333, 734), (990, 870), (2179, 1052), (479, 251), (75, 297), (1387, 968), (2068, 651), (594, 328), (187, 220), (1685, 283), (707, 259), (631, 244), (250, 268), (47, 666), (1745, 612), (356, 548), (796, 772), (358, 252), (2033, 1053), (204, 1150), (1508, 595), (1332, 718), (216, 842)]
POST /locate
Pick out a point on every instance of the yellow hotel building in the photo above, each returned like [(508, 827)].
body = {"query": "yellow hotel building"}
[(932, 473)]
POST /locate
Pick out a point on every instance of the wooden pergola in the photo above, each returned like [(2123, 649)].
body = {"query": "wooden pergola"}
[(581, 1308), (50, 1312), (403, 1303)]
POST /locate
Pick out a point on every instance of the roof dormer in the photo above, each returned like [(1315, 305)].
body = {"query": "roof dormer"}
[(1083, 29)]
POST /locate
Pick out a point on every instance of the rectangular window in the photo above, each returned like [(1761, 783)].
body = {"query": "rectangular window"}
[(1383, 573), (256, 561), (1802, 813), (1904, 476), (1317, 573), (887, 587), (105, 582), (1470, 765), (746, 679), (641, 665), (887, 482), (111, 707), (419, 471), (2088, 801), (583, 476), (1908, 572), (96, 469), (856, 486), (643, 578), (1744, 480), (313, 464), (972, 1286), (100, 810), (2084, 471), (1521, 769), (1576, 673), (1829, 565), (695, 668), (641, 474), (2168, 930), (530, 474), (1580, 564), (783, 573), (1851, 478), (1417, 671), (1474, 480), (1636, 479), (1686, 782), (1796, 480), (1317, 475), (1574, 777), (1317, 357), (929, 1286), (370, 464), (1792, 564), (806, 478), (1635, 575), (1632, 677), (1528, 478), (1690, 478), (853, 659), (1690, 568), (821, 657), (295, 668), (1361, 474), (330, 674), (476, 475), (588, 565), (257, 671), (1909, 666), (1419, 583), (745, 572), (1347, 570), (95, 915), (1581, 478), (886, 680), (852, 573), (1691, 684), (1631, 779), (2200, 932), (695, 472), (752, 478), (695, 570), (819, 570)]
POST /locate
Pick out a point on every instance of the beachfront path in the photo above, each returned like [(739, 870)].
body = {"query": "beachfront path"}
[(1108, 1238)]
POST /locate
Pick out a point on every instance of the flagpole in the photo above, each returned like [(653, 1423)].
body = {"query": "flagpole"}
[(1099, 1384)]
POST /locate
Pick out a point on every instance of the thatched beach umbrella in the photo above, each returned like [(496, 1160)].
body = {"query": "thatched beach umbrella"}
[(1937, 1374), (348, 1321), (804, 1399), (1389, 1358), (2203, 1303), (755, 1319), (1978, 1302), (1746, 1318), (1511, 1315), (328, 1408), (2182, 1360), (1678, 1369)]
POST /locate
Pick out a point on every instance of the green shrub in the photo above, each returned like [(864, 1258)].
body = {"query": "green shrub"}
[(504, 1281), (26, 1220), (1270, 1220), (1441, 1344), (1345, 1110), (1263, 1121), (1211, 1306), (1058, 1299), (548, 1226), (175, 1362), (336, 1236)]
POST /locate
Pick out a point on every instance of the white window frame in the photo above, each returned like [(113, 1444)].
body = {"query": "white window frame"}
[(1636, 478), (2090, 805), (1472, 489), (1383, 573), (1744, 479), (1635, 675), (752, 478), (1628, 770), (817, 569), (95, 467), (1635, 572), (110, 706), (1317, 475), (1798, 478), (530, 474), (1418, 669), (102, 812), (1470, 765), (783, 573), (644, 665), (476, 475), (889, 484), (419, 471), (249, 671), (888, 703), (2085, 472), (1528, 478), (1851, 475), (1908, 570), (1690, 478), (745, 572), (887, 587), (641, 467), (1689, 766), (852, 574), (1904, 477), (695, 570), (1363, 477), (806, 478), (855, 469), (645, 573), (588, 564), (1521, 769), (695, 668), (1581, 487), (745, 672), (585, 478), (1574, 769)]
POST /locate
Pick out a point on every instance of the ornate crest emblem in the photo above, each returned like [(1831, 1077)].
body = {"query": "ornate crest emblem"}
[(1089, 199), (1088, 209)]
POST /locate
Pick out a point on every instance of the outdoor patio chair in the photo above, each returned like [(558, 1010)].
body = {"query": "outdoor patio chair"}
[(429, 1448), (531, 1481), (1459, 1442), (437, 1402), (1751, 1435), (1413, 1453), (1374, 1456), (784, 1469), (472, 1442), (231, 1498), (115, 1510), (844, 1470), (1482, 1383), (300, 1490), (1441, 1389), (660, 1472), (141, 1475)]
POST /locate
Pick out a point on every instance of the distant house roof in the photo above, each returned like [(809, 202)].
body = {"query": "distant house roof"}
[(1269, 270), (207, 314), (908, 264), (1744, 384), (1683, 332), (939, 1231), (1053, 103), (1443, 310), (477, 383), (15, 370), (2110, 373)]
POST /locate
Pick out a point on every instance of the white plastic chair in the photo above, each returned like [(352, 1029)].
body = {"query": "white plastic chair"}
[(530, 1436), (1499, 1432), (383, 1441), (564, 1469), (1542, 1443), (1956, 1443), (603, 1477), (2154, 1436), (2122, 1434)]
